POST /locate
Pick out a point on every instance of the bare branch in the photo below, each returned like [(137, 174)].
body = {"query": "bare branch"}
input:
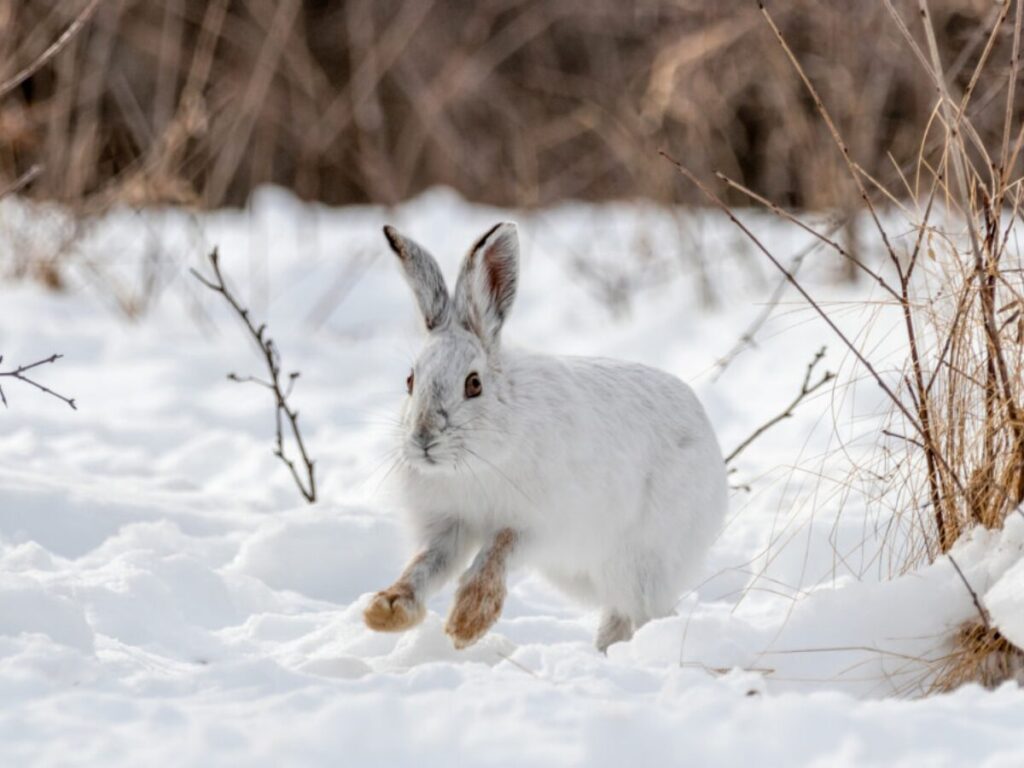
[(283, 412), (806, 389), (19, 374), (747, 338), (974, 595), (854, 350), (824, 238)]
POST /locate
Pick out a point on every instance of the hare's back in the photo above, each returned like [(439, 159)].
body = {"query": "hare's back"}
[(610, 395)]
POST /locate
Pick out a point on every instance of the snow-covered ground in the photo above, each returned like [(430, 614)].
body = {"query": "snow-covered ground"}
[(167, 599)]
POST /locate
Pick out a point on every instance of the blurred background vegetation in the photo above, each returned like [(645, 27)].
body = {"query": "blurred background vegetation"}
[(511, 102)]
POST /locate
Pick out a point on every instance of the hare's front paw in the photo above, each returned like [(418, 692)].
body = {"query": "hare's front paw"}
[(477, 606), (394, 609)]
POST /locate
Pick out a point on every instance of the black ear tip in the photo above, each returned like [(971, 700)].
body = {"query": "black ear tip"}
[(484, 237), (394, 239), (503, 229)]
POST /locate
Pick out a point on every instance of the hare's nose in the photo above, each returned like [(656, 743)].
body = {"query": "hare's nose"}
[(423, 436)]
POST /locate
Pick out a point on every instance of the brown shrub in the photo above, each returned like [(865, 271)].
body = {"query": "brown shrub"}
[(513, 102)]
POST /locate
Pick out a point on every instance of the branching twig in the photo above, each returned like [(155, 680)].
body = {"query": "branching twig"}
[(854, 350), (824, 238), (19, 374), (974, 595), (274, 384), (806, 389), (747, 338)]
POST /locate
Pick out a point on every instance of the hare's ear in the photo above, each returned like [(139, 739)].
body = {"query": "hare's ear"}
[(424, 277), (487, 282)]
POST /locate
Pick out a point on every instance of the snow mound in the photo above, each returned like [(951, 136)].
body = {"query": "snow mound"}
[(323, 552), (26, 608)]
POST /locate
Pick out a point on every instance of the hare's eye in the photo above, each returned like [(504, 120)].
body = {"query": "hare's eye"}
[(409, 381), (474, 387)]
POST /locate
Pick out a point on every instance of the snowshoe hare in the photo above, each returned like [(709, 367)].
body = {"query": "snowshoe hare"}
[(604, 475)]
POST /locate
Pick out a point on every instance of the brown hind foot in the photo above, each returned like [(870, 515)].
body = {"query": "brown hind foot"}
[(477, 606), (394, 609)]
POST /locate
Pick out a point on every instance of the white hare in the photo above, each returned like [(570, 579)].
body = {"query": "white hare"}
[(604, 475)]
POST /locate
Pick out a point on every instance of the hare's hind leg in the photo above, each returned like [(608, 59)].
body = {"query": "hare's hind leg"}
[(642, 589), (615, 627), (402, 605)]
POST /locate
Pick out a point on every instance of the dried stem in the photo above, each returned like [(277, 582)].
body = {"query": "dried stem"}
[(19, 374), (800, 289), (806, 390), (56, 47), (283, 412), (22, 181), (974, 595), (931, 449), (844, 150), (823, 238)]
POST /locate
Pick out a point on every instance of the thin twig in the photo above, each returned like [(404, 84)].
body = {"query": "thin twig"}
[(307, 486), (974, 595), (800, 289), (747, 338), (19, 374), (824, 238), (22, 181), (922, 403), (806, 389), (837, 138), (56, 47)]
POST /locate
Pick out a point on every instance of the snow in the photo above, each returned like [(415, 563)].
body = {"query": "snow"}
[(166, 598)]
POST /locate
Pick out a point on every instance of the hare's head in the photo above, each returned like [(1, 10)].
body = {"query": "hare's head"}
[(456, 413)]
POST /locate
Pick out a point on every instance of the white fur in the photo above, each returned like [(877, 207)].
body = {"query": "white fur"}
[(609, 471)]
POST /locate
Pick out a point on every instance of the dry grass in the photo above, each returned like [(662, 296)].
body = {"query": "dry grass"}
[(980, 655), (953, 446), (513, 102)]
